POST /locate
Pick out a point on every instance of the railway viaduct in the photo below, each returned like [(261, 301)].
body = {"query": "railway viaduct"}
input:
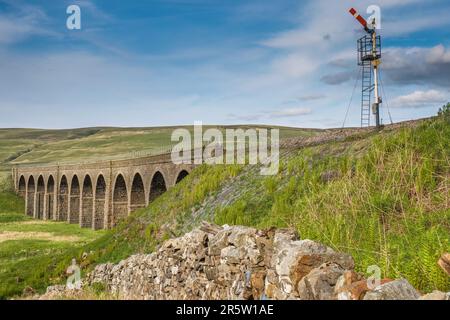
[(95, 195)]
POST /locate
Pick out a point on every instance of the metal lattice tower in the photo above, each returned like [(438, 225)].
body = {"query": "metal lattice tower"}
[(366, 92), (369, 55)]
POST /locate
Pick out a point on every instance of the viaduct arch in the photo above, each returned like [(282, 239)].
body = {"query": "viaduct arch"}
[(95, 195)]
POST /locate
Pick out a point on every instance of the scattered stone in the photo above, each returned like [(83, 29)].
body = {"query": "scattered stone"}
[(436, 295), (293, 260), (236, 262), (353, 286), (395, 290), (209, 227), (344, 286), (320, 282), (55, 292)]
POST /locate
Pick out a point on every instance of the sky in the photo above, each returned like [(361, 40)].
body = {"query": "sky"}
[(173, 62)]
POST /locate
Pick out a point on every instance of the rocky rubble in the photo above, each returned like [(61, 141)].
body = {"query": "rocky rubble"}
[(236, 262)]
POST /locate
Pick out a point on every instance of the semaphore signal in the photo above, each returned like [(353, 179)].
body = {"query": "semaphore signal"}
[(369, 58)]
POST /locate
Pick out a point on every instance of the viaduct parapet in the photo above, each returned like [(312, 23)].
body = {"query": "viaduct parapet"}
[(95, 195)]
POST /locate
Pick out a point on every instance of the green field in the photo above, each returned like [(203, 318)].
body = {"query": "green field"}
[(21, 146), (26, 243), (382, 197)]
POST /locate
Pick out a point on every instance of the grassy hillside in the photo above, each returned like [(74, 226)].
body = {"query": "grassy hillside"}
[(382, 197), (18, 142), (19, 146)]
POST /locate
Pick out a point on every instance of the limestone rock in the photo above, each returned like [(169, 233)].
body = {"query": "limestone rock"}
[(257, 283), (56, 289), (210, 228), (350, 286), (293, 260), (217, 242), (320, 282), (356, 290), (231, 255), (236, 262), (395, 290), (436, 295)]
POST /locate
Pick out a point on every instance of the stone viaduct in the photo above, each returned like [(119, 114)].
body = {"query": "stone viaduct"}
[(95, 195)]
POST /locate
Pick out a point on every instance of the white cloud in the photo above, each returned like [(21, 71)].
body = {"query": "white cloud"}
[(281, 113), (324, 34), (307, 97), (249, 117), (291, 112), (416, 65), (438, 54), (244, 82), (25, 22), (420, 99), (329, 21), (295, 65), (413, 24)]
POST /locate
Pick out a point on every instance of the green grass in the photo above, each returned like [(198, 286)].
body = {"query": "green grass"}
[(23, 261), (37, 262), (44, 262), (32, 262), (385, 201), (15, 143), (388, 205), (21, 146)]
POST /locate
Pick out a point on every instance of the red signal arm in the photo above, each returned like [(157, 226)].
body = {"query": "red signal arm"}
[(360, 19)]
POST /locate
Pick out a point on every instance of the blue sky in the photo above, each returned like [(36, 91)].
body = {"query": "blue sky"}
[(169, 62)]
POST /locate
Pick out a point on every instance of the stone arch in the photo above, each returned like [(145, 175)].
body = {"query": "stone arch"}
[(100, 198), (137, 197), (120, 200), (31, 192), (181, 175), (40, 196), (63, 199), (74, 214), (50, 196), (157, 186), (22, 187), (87, 203)]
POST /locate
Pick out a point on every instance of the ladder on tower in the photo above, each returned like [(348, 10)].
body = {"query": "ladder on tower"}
[(366, 92)]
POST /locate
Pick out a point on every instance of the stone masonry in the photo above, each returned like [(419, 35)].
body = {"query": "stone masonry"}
[(95, 195), (237, 262)]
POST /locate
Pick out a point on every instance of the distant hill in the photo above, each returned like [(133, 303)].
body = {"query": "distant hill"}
[(18, 146)]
